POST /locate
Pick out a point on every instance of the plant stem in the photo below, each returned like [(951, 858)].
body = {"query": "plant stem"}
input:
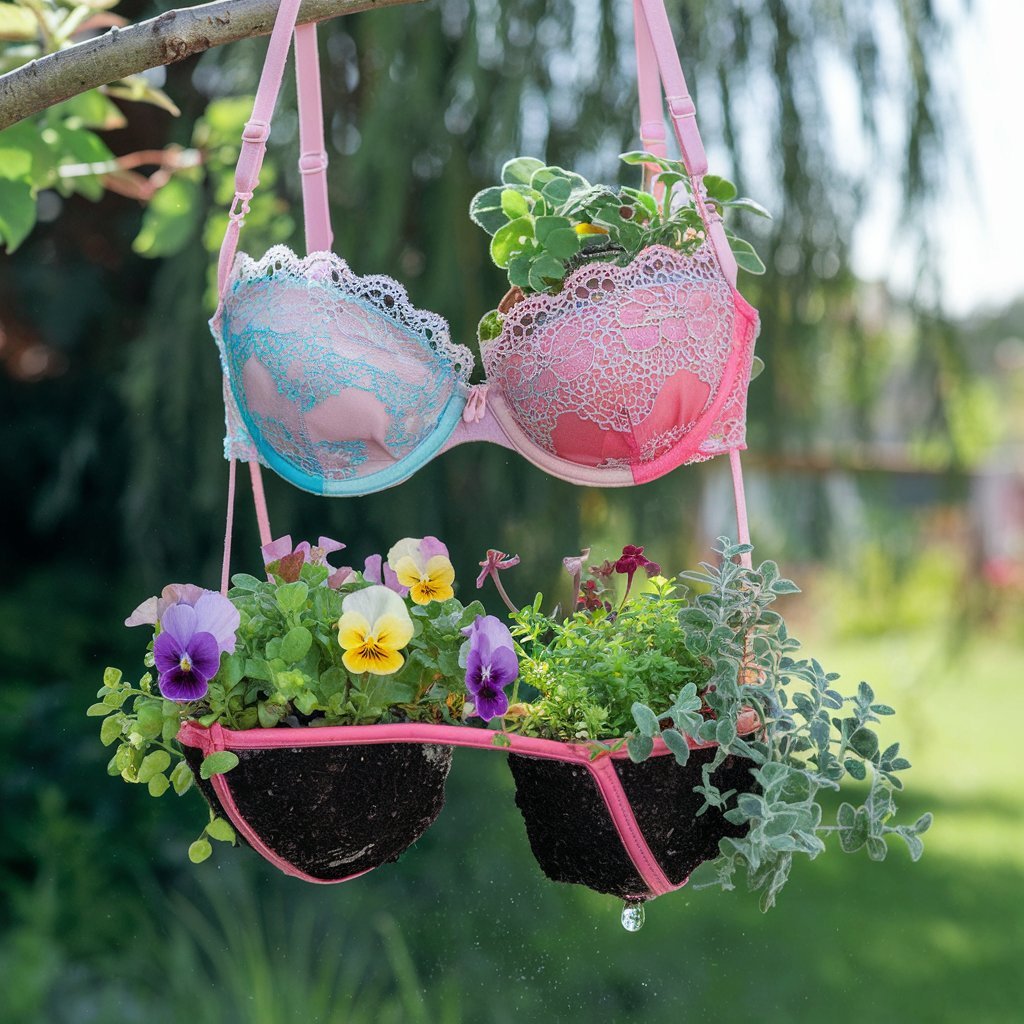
[(501, 591)]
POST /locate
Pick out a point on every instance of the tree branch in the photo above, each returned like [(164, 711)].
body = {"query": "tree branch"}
[(166, 39)]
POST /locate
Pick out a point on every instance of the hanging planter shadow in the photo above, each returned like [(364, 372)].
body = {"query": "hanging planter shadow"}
[(317, 810)]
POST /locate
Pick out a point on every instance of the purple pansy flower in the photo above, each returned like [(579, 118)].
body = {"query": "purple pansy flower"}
[(491, 665), (287, 561), (192, 638), (376, 570)]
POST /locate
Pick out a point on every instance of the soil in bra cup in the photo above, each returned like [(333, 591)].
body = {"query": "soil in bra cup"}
[(332, 812), (574, 839)]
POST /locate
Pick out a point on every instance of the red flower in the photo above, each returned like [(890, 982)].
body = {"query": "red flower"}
[(632, 559)]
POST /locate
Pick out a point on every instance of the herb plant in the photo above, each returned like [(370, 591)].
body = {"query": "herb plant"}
[(545, 222), (671, 663)]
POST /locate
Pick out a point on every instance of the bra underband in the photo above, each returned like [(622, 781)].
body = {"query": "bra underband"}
[(337, 383), (601, 770)]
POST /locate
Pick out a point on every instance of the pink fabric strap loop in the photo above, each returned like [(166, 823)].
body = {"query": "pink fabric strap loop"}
[(601, 768), (313, 155), (260, 502), (257, 129), (657, 64), (654, 39), (742, 528), (225, 565)]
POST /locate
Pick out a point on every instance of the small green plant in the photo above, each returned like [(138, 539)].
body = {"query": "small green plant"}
[(544, 222), (673, 663)]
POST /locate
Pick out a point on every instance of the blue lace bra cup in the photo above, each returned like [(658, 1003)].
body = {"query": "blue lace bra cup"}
[(334, 381)]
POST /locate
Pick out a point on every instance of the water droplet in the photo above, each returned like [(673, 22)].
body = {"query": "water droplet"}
[(632, 916)]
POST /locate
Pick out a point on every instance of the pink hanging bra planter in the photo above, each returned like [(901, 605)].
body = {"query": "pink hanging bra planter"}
[(327, 804), (627, 370)]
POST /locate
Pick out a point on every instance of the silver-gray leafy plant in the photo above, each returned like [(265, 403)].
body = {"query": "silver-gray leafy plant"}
[(812, 737)]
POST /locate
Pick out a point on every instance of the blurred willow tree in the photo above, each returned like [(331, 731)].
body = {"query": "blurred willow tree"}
[(422, 105)]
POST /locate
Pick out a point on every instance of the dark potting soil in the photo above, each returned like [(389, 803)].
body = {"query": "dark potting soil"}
[(574, 838), (665, 805), (569, 828), (335, 811)]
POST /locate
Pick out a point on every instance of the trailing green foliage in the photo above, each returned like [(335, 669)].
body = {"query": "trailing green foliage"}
[(671, 664), (812, 738)]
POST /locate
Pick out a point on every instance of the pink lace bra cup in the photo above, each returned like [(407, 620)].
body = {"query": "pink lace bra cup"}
[(336, 382)]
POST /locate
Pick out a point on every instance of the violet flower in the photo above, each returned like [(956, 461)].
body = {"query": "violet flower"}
[(574, 567), (631, 560), (495, 562), (151, 611), (491, 665), (281, 559), (192, 638), (376, 570)]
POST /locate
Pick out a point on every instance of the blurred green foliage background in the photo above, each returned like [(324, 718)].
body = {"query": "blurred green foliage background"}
[(884, 473)]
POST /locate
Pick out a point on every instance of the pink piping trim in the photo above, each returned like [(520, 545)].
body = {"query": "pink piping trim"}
[(215, 741), (227, 801), (216, 737), (628, 828)]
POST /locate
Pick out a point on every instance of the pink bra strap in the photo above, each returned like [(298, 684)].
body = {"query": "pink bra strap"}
[(262, 519), (313, 157), (656, 48), (742, 528), (652, 118), (257, 130), (225, 565)]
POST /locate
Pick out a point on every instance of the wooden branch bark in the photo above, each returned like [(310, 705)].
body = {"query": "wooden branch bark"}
[(166, 39)]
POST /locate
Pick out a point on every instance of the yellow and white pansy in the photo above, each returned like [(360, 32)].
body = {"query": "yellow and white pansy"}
[(374, 626), (422, 565)]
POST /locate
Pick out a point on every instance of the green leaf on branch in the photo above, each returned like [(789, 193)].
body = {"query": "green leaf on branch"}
[(295, 644), (514, 204), (646, 720), (110, 730), (199, 851), (17, 212), (157, 785), (721, 190), (520, 170), (155, 763), (676, 742), (181, 778), (545, 270), (221, 830), (486, 209), (291, 597), (639, 747), (218, 763), (514, 237), (745, 255)]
